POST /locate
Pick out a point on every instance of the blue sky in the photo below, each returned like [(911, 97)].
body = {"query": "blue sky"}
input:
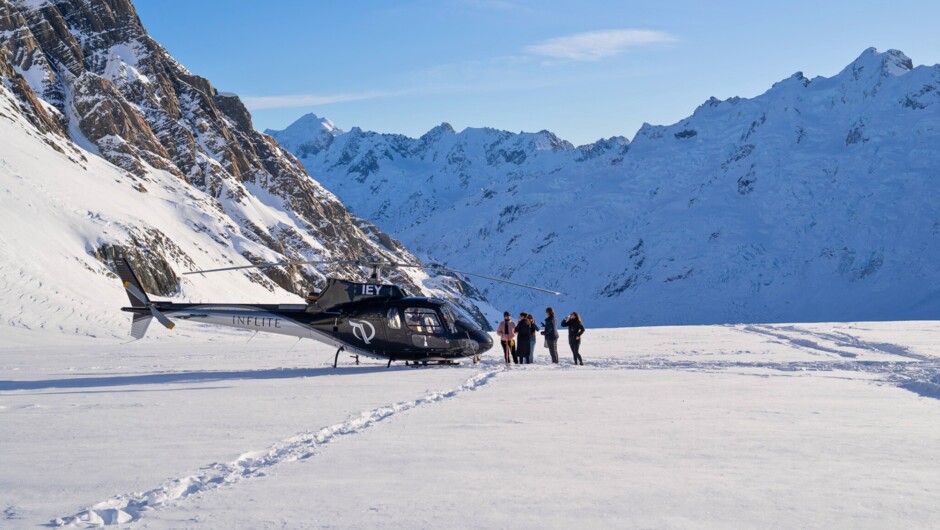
[(583, 70)]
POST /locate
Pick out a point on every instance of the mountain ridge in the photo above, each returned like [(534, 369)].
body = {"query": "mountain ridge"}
[(806, 202)]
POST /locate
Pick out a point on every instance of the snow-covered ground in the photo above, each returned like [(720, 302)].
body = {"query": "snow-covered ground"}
[(815, 425)]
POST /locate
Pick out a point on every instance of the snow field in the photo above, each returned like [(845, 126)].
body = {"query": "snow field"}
[(823, 425)]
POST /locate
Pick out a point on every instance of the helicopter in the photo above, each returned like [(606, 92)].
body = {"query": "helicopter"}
[(372, 319)]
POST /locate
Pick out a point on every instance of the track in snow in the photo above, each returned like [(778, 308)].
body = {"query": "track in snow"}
[(917, 373), (130, 507), (797, 337)]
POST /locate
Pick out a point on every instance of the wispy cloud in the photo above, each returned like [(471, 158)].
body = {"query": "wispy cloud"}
[(595, 45), (499, 5), (306, 100), (500, 73)]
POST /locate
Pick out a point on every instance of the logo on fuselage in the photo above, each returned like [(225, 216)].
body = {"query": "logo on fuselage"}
[(359, 330)]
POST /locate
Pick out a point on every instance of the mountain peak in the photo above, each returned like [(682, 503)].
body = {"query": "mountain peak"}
[(546, 139), (310, 130), (312, 122), (883, 64), (442, 129)]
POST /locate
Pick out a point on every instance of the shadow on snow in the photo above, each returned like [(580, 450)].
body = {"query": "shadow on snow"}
[(169, 378)]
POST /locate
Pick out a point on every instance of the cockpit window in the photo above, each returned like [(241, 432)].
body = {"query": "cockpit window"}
[(423, 320), (394, 320), (450, 317), (459, 313)]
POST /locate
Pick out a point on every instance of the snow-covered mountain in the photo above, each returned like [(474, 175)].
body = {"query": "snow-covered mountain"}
[(817, 200), (108, 146)]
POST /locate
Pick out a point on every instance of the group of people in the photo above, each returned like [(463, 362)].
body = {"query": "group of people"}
[(518, 339)]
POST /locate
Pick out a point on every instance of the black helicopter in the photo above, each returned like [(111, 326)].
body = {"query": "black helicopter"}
[(372, 319)]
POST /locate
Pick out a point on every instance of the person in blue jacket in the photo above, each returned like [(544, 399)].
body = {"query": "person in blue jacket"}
[(535, 328)]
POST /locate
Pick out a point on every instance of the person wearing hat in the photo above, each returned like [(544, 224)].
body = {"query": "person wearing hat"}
[(507, 334)]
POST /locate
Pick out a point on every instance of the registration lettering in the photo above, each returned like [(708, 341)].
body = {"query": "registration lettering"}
[(371, 290), (258, 322)]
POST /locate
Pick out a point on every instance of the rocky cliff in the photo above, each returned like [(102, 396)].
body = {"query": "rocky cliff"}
[(85, 78)]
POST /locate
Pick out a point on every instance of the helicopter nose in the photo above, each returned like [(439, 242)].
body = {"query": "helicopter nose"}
[(475, 341), (485, 341)]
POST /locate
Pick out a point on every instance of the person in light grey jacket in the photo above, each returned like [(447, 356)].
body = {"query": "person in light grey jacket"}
[(551, 333)]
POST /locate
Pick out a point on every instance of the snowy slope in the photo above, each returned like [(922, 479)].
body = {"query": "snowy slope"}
[(814, 201), (110, 147), (753, 426)]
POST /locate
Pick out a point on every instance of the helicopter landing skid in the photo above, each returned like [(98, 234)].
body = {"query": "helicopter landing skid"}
[(422, 364), (336, 359)]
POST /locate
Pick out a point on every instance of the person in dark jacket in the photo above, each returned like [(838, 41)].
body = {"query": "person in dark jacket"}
[(535, 331), (551, 333), (523, 339), (575, 330)]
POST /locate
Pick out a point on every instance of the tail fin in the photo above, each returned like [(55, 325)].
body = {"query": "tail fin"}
[(139, 325), (126, 273)]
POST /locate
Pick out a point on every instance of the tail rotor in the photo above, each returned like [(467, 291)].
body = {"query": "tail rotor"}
[(139, 299)]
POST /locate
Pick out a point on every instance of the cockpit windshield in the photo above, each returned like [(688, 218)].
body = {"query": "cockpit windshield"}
[(450, 319), (454, 314)]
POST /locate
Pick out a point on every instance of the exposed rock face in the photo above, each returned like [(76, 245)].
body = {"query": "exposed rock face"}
[(153, 271), (115, 127), (32, 106), (87, 70)]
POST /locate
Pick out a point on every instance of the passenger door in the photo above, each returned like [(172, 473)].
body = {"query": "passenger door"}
[(426, 329)]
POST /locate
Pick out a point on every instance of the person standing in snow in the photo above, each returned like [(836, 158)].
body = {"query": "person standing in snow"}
[(523, 339), (535, 329), (551, 333), (507, 334), (575, 330)]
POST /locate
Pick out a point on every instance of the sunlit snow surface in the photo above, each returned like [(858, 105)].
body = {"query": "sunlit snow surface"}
[(815, 425)]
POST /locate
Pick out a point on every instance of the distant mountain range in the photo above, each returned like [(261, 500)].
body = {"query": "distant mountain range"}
[(817, 200), (108, 146)]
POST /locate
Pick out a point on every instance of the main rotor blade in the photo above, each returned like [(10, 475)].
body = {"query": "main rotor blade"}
[(492, 279), (386, 264), (277, 264), (161, 318), (136, 293)]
